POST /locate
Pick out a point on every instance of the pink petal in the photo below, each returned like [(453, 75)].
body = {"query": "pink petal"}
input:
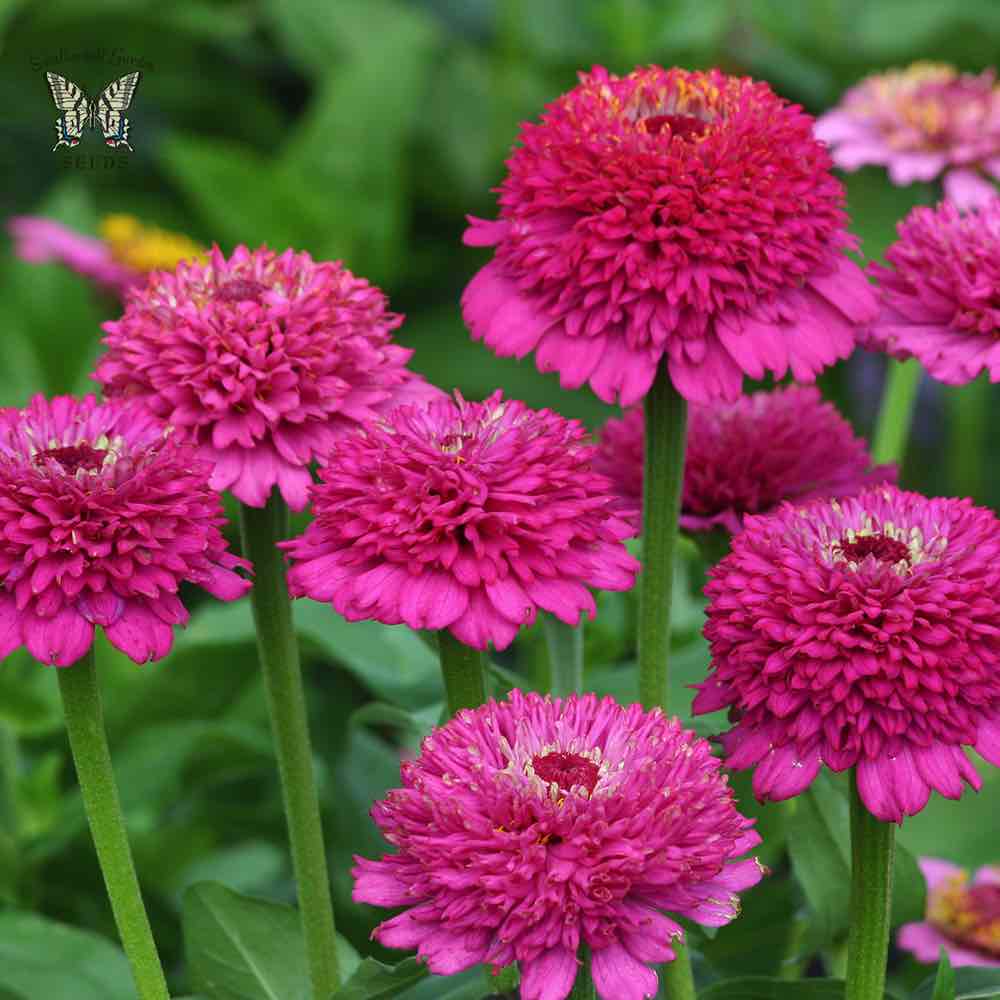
[(550, 976), (10, 625), (140, 634), (620, 976), (59, 640)]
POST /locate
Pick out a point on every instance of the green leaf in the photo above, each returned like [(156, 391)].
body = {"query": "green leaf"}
[(969, 983), (40, 958), (29, 696), (944, 982), (373, 980), (762, 988), (240, 948)]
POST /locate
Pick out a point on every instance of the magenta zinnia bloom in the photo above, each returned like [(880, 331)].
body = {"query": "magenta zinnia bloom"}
[(261, 360), (529, 826), (105, 514), (669, 214), (939, 295), (860, 632), (963, 919), (920, 122), (465, 516), (746, 457)]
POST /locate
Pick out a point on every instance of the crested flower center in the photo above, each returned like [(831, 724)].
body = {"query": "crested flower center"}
[(567, 770), (240, 290), (75, 457), (682, 126), (883, 547), (968, 916)]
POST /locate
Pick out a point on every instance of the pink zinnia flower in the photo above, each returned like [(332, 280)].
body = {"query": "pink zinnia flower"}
[(746, 457), (261, 360), (920, 122), (465, 516), (939, 295), (529, 826), (669, 214), (862, 632), (963, 919), (105, 514)]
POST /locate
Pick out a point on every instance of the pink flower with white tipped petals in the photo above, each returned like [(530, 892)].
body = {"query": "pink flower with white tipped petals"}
[(862, 632), (261, 360), (528, 827), (689, 217), (105, 515), (465, 516)]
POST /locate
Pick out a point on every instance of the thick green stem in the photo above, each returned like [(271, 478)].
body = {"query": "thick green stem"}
[(968, 423), (81, 700), (872, 844), (462, 669), (892, 428), (261, 529), (666, 427), (677, 976), (565, 645)]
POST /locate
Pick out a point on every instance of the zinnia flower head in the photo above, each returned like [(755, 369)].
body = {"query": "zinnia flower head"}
[(465, 516), (746, 457), (862, 632), (669, 214), (920, 122), (941, 293), (105, 514), (126, 252), (527, 827), (261, 360), (962, 918)]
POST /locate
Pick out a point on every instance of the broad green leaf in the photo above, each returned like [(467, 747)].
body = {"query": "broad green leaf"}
[(240, 948), (29, 696), (40, 958), (763, 988), (970, 983), (944, 982), (469, 985), (373, 980)]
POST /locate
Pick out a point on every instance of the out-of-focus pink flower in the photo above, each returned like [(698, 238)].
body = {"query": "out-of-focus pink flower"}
[(920, 122), (962, 918), (529, 826), (746, 457), (105, 514), (673, 215), (40, 240), (261, 360), (862, 632), (465, 516), (941, 293)]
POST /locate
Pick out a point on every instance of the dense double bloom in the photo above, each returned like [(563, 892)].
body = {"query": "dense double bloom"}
[(260, 360), (746, 457), (121, 258), (465, 516), (528, 827), (941, 293), (104, 515), (962, 917), (919, 123), (674, 215), (862, 632)]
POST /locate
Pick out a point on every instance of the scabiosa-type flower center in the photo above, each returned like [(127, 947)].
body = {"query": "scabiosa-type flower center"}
[(567, 770), (967, 915), (75, 457), (883, 547), (681, 126), (240, 289)]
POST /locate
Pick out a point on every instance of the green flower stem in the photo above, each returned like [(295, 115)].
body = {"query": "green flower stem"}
[(666, 430), (892, 428), (872, 844), (261, 529), (81, 700), (676, 976), (583, 985), (462, 669), (565, 645), (969, 415)]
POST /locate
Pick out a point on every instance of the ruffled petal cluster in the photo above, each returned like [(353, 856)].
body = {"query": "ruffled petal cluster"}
[(261, 360), (860, 632), (465, 516), (746, 457), (528, 827), (674, 215), (919, 123), (104, 515), (941, 293), (962, 917)]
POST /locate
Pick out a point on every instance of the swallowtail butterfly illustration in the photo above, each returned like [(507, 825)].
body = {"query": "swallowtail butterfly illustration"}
[(78, 112)]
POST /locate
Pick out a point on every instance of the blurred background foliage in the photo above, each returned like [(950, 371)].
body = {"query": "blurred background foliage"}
[(366, 130)]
